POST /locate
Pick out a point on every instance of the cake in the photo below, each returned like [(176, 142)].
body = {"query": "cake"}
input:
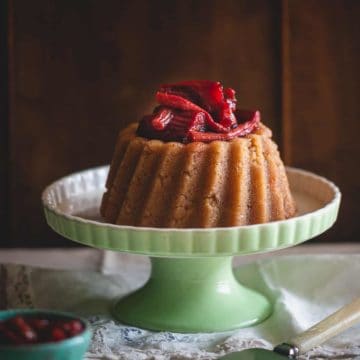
[(196, 162)]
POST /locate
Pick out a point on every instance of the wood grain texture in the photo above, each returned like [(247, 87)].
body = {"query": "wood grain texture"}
[(5, 36), (84, 69), (325, 107), (81, 70), (286, 115)]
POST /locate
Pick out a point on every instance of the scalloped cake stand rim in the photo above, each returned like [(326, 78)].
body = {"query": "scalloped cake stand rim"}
[(225, 241), (192, 287)]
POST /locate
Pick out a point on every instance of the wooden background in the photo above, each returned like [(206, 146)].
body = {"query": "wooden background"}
[(77, 71)]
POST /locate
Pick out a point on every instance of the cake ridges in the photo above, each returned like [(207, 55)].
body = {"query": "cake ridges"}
[(215, 184), (277, 204), (160, 193), (236, 213), (169, 184), (123, 139), (258, 181), (184, 204), (141, 179), (116, 193)]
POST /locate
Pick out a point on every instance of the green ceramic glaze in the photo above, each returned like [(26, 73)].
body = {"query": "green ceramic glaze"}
[(192, 288), (192, 295), (72, 206), (70, 349)]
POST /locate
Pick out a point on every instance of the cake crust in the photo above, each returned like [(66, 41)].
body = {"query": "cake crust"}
[(222, 183)]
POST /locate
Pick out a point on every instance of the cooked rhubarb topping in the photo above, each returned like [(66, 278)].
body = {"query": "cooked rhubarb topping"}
[(197, 111)]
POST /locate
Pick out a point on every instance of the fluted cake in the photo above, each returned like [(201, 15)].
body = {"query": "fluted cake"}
[(175, 170)]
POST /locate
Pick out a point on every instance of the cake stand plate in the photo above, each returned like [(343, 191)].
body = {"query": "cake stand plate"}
[(191, 287)]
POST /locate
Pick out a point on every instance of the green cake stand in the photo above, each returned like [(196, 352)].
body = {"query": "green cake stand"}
[(192, 287)]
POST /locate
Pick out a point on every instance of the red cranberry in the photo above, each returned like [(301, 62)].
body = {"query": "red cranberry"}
[(28, 329)]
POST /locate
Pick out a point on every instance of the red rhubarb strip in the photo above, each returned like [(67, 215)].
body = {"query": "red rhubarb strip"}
[(198, 110), (162, 118), (176, 102), (241, 130), (204, 93)]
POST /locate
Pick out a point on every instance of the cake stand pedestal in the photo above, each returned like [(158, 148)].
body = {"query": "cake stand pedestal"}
[(192, 294), (192, 287)]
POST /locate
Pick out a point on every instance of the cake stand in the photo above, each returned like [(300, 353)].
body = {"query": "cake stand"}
[(192, 287)]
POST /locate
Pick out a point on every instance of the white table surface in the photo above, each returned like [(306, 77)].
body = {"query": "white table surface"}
[(98, 260), (136, 267)]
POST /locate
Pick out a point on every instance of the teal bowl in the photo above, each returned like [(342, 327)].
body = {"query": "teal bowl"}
[(72, 348)]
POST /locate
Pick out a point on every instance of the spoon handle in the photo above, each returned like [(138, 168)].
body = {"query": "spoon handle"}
[(332, 325)]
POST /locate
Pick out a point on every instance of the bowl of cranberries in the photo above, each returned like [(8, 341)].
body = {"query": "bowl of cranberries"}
[(42, 334)]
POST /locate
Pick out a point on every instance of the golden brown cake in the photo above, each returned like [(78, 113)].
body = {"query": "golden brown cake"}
[(210, 183)]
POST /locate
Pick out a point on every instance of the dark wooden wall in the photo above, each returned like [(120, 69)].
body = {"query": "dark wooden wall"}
[(81, 70)]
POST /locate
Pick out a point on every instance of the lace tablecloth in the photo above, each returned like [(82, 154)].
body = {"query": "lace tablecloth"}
[(304, 289)]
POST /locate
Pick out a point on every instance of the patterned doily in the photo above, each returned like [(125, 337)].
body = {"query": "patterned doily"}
[(296, 305)]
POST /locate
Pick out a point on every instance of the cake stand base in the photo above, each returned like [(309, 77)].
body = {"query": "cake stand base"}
[(192, 295), (190, 288)]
